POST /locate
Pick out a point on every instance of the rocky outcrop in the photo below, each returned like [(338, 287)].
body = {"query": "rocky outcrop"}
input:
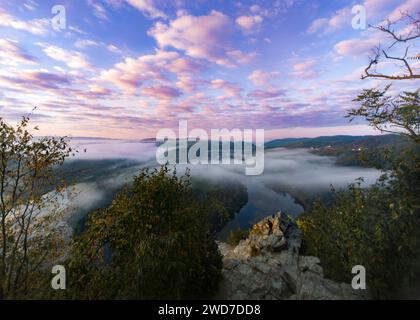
[(267, 265)]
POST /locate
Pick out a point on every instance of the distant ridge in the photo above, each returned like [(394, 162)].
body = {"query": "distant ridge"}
[(93, 138), (332, 140), (148, 140)]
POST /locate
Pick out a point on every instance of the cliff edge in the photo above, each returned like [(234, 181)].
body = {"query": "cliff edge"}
[(267, 265)]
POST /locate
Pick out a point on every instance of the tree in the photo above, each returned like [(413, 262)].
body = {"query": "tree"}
[(30, 237), (152, 242), (400, 115), (377, 227), (401, 45)]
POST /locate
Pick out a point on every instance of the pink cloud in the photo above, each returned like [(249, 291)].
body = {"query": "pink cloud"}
[(338, 20), (98, 91), (355, 47), (113, 49), (375, 9), (130, 73), (305, 69), (231, 90), (266, 94), (204, 37), (12, 53), (161, 92), (35, 26), (129, 81), (249, 24), (184, 65), (240, 57), (98, 10), (186, 83), (34, 80), (303, 66), (261, 78), (317, 25), (148, 7), (73, 59), (410, 6)]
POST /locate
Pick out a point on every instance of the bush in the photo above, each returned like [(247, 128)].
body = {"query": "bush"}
[(377, 227), (153, 242)]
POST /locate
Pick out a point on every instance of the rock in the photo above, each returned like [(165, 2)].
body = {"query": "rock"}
[(314, 287), (267, 265), (268, 235), (310, 264)]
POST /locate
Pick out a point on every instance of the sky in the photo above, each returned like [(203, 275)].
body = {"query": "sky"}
[(128, 68)]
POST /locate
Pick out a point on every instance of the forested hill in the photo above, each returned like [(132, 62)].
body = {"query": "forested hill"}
[(371, 151)]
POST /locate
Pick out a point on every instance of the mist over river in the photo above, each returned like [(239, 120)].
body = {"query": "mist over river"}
[(286, 172)]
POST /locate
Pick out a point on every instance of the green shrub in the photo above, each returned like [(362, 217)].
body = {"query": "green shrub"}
[(377, 227), (153, 242)]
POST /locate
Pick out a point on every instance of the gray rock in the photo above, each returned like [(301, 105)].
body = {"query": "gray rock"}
[(310, 263), (267, 265)]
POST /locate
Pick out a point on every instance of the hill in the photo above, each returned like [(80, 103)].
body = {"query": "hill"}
[(366, 151)]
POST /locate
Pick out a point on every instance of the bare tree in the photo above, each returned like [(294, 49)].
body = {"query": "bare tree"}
[(402, 42), (30, 236)]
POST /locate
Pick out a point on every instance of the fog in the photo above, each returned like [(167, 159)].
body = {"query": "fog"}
[(287, 172), (303, 170), (113, 149)]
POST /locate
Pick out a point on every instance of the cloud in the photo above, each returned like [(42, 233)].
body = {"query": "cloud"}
[(378, 9), (161, 92), (355, 47), (34, 80), (255, 8), (73, 59), (113, 49), (317, 25), (35, 26), (183, 77), (126, 81), (240, 57), (375, 9), (147, 7), (184, 65), (98, 91), (231, 90), (305, 69), (30, 5), (84, 43), (266, 94), (338, 20), (410, 6), (261, 78), (270, 9), (203, 37), (12, 53), (186, 83), (249, 24), (98, 10), (305, 65), (129, 74)]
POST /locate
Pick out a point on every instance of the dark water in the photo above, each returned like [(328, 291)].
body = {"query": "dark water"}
[(262, 201)]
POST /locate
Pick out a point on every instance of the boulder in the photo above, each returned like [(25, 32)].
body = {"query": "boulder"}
[(267, 265)]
